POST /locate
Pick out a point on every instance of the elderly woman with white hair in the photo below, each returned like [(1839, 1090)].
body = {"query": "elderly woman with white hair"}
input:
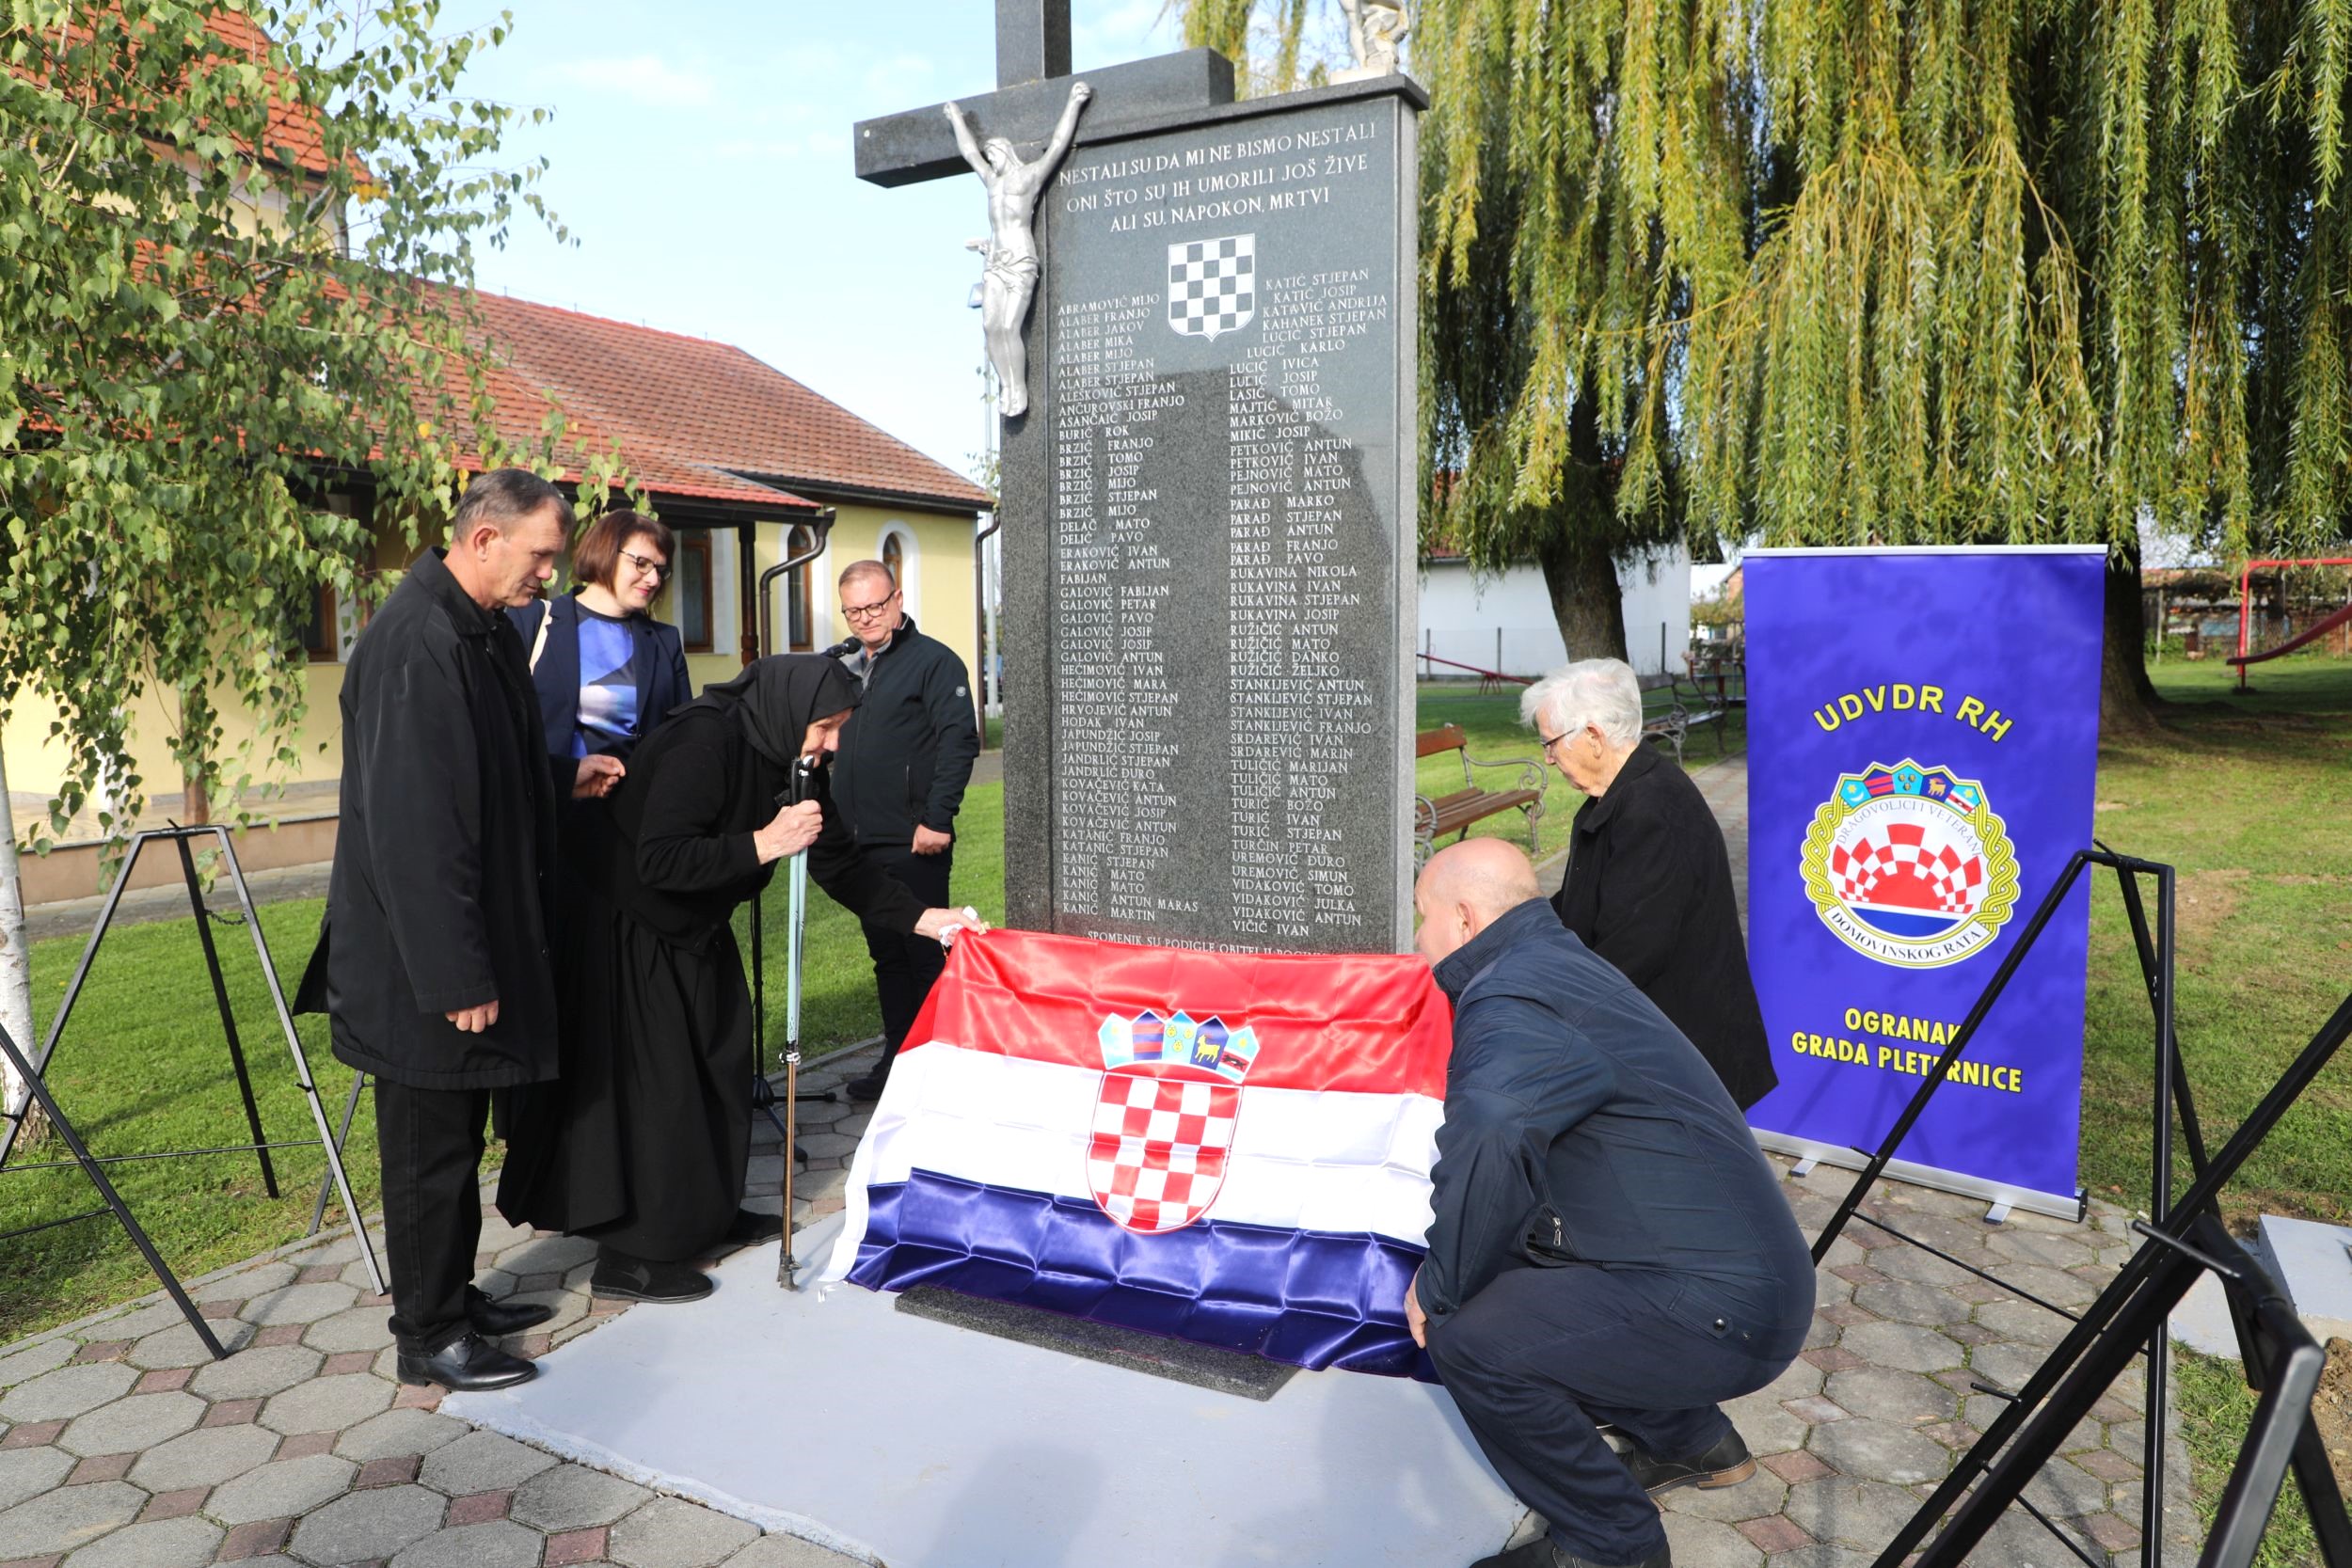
[(1649, 880)]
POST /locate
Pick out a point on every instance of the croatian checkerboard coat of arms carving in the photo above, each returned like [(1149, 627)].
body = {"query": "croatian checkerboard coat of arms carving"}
[(1164, 1117), (1213, 286), (1909, 865)]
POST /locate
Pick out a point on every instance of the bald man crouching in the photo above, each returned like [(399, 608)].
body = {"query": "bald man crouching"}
[(1609, 1247)]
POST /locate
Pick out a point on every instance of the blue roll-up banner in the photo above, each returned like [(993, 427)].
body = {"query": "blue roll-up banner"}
[(1923, 735)]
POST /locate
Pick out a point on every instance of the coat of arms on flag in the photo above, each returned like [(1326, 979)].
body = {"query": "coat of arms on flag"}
[(1213, 285), (1164, 1117), (1908, 864), (1232, 1148)]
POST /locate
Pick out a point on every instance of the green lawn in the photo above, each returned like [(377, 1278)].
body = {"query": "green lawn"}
[(2243, 794)]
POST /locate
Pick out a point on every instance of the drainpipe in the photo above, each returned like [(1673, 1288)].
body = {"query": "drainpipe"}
[(821, 525), (979, 620)]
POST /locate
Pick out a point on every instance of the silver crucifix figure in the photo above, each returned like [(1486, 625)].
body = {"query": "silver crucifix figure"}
[(1009, 282)]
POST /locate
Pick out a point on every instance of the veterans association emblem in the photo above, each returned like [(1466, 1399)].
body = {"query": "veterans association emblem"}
[(1909, 865), (1164, 1117), (1213, 286)]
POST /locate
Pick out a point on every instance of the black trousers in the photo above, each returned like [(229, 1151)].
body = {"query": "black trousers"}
[(431, 1144), (906, 966), (1540, 1356)]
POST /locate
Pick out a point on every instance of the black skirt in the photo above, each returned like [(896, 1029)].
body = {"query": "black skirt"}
[(641, 1142)]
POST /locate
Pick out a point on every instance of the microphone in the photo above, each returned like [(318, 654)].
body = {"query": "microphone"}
[(846, 646)]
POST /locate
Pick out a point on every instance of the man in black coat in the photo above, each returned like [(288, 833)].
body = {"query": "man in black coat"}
[(898, 781), (1649, 879), (1607, 1243), (433, 962)]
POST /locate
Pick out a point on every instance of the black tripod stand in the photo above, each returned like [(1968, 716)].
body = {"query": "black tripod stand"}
[(2130, 1317), (261, 1147)]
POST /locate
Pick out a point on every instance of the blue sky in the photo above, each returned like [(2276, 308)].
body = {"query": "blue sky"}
[(700, 157)]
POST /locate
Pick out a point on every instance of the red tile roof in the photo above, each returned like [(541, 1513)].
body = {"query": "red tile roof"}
[(694, 415)]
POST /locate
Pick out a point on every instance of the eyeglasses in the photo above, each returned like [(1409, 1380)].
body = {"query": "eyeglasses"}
[(867, 611), (654, 569), (1564, 734)]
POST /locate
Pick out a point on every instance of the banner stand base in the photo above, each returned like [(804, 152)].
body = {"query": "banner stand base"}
[(2000, 1195)]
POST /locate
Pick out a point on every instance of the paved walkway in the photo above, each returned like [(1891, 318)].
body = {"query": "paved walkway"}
[(123, 1447)]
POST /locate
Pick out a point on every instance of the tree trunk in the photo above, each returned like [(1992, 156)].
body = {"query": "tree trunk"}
[(2127, 699), (16, 991), (195, 803), (1586, 600)]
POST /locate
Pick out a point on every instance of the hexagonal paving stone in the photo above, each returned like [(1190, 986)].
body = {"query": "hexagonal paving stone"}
[(2022, 1322), (670, 1532), (30, 1472), (256, 1373), (496, 1544), (246, 1283), (1905, 1302), (1904, 1397), (2006, 1366), (362, 1525), (547, 1254), (284, 1490), (67, 1517), (573, 1496), (1752, 1498), (1864, 1514), (2066, 1490), (2055, 1285), (127, 1426), (1904, 1346), (328, 1404), (482, 1462), (356, 1329), (138, 1324), (178, 1346), (790, 1551), (164, 1544), (67, 1392), (299, 1303), (1764, 1424), (399, 1432), (2027, 1246), (33, 1360), (1880, 1451), (205, 1457)]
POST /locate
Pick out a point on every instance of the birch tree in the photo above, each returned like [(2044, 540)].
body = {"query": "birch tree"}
[(235, 240)]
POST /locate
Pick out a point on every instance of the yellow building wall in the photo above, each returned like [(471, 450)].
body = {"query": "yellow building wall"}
[(937, 550)]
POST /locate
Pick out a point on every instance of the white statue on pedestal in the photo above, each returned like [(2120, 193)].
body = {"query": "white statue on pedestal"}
[(1009, 282), (1376, 30)]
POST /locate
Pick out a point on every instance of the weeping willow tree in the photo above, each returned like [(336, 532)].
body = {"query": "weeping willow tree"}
[(1850, 272)]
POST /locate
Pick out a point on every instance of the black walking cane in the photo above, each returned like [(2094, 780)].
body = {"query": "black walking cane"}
[(796, 930)]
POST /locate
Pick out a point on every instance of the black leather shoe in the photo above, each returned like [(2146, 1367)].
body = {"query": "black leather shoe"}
[(868, 1088), (467, 1364), (750, 1227), (493, 1320), (1727, 1464), (643, 1279), (1541, 1553)]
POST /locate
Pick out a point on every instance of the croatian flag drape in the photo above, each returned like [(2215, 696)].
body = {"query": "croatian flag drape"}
[(1232, 1148)]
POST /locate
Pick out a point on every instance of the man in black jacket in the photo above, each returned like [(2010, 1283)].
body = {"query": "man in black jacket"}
[(1607, 1246), (898, 781), (433, 962), (1649, 879)]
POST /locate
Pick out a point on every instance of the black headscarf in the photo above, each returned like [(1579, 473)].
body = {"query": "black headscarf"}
[(777, 699)]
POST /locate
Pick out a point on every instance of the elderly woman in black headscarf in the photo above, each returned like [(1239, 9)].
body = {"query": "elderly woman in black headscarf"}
[(641, 1142)]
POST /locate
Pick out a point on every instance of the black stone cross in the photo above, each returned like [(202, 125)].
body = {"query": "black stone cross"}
[(1032, 84)]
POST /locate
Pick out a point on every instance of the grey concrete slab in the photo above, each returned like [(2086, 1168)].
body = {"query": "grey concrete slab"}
[(206, 1457), (30, 1472), (67, 1392), (947, 1447), (185, 1542), (2313, 1263)]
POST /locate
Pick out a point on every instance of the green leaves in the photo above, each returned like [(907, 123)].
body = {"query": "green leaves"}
[(1844, 271), (237, 240)]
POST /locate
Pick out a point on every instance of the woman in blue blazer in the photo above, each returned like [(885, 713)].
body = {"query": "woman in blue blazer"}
[(606, 671)]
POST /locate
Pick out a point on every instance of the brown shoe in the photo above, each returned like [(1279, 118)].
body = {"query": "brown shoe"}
[(1727, 1464)]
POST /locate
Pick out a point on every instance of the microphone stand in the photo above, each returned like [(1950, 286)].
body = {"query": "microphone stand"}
[(796, 931)]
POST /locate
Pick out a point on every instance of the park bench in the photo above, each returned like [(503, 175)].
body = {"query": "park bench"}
[(1434, 816)]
